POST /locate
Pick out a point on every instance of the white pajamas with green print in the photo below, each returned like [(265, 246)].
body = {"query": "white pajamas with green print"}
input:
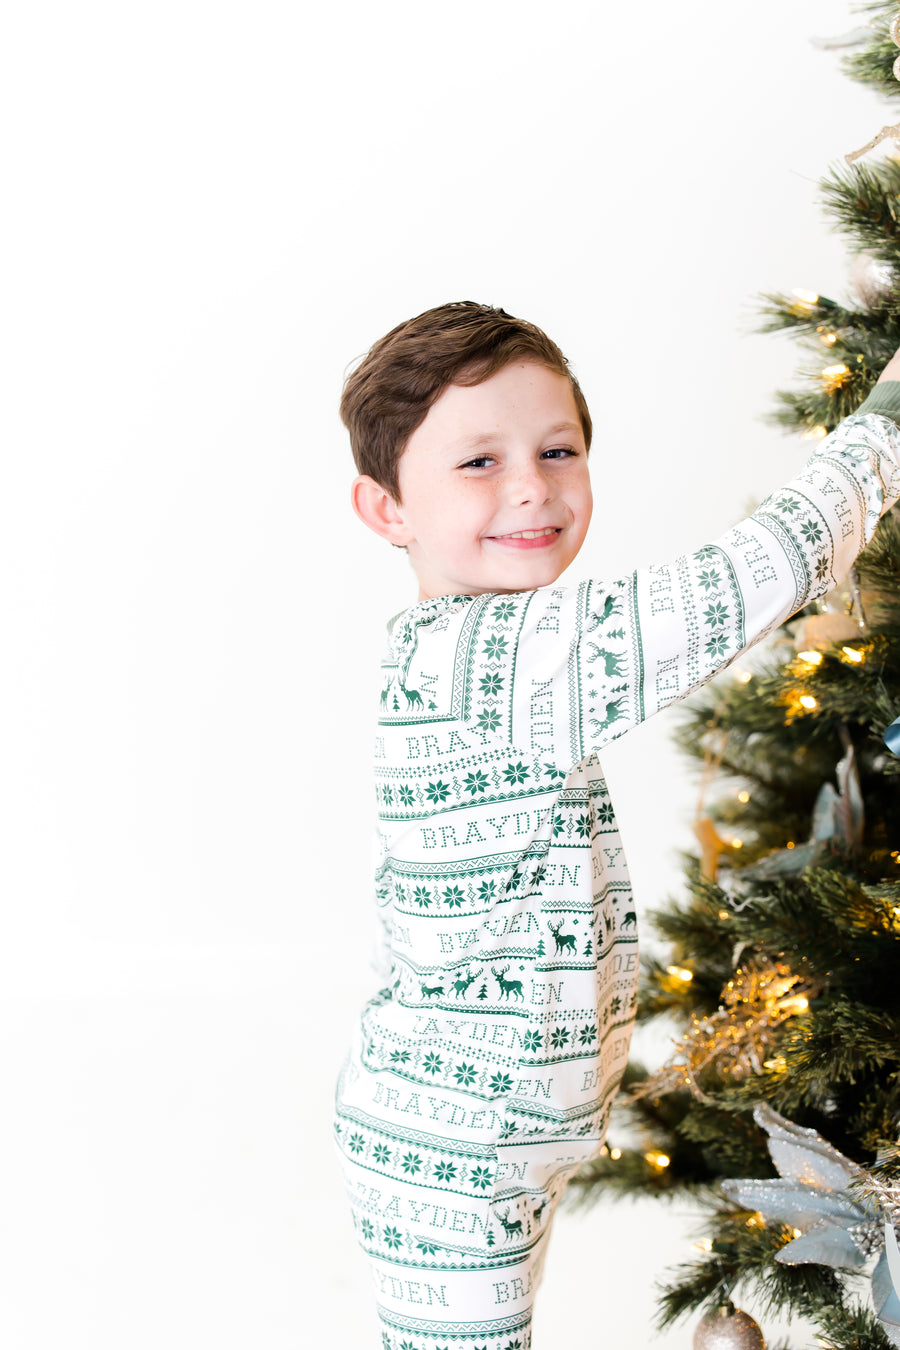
[(483, 1073)]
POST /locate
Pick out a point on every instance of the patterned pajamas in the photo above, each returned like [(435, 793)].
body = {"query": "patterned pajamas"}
[(483, 1073)]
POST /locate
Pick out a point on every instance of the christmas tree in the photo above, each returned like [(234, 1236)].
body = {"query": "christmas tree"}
[(781, 1104)]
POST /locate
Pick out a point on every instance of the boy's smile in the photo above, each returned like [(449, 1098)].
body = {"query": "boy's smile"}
[(495, 493)]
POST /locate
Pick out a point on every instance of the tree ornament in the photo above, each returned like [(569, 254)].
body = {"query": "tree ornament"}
[(827, 1200), (873, 280), (890, 132), (728, 1328)]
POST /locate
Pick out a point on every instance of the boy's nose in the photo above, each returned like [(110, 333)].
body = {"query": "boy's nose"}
[(530, 486)]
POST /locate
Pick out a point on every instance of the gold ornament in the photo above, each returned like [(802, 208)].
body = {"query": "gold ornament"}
[(728, 1328), (741, 1038)]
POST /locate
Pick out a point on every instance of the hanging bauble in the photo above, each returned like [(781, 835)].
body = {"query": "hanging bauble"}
[(728, 1329), (873, 280)]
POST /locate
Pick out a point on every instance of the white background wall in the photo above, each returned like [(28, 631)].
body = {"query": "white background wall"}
[(211, 210)]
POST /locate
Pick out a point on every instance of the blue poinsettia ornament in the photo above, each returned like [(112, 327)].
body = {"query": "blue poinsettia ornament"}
[(839, 1224)]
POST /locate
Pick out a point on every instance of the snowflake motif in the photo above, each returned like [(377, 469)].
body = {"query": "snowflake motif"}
[(427, 1248), (539, 874), (381, 1153), (587, 1034), (715, 613), (437, 792), (445, 1171), (559, 1038), (392, 1237), (356, 1143), (487, 890), (489, 721), (717, 645), (513, 1345), (465, 1074), (433, 1063), (515, 878), (453, 897), (411, 1163), (559, 825), (812, 530), (408, 1345), (790, 505), (476, 782), (399, 1056), (388, 794), (821, 569), (616, 1004), (481, 1177), (507, 1129), (367, 1230), (501, 1082), (532, 1041), (709, 578), (385, 1341), (491, 684), (515, 773), (407, 796), (422, 897), (553, 772), (605, 813), (583, 825), (495, 648)]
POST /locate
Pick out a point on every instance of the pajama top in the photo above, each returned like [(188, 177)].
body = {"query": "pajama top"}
[(484, 1070)]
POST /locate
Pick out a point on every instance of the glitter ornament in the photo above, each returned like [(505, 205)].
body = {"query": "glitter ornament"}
[(728, 1329)]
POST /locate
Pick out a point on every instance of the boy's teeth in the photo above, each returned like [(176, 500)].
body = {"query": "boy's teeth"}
[(531, 534)]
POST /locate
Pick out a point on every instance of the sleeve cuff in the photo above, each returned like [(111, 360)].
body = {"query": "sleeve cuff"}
[(884, 399)]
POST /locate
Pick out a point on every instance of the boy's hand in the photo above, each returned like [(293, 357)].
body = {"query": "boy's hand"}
[(891, 370)]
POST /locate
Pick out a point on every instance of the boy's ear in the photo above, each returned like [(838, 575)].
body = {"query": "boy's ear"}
[(379, 510)]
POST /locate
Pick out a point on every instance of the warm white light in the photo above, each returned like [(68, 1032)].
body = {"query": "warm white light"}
[(743, 796), (852, 653), (836, 372), (808, 701), (745, 676), (704, 1245), (615, 1153), (815, 433), (806, 297), (680, 973), (737, 843), (828, 338), (811, 658), (657, 1159), (798, 1232)]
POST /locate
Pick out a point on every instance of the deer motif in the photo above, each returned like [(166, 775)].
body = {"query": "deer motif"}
[(630, 919), (431, 992), (507, 987), (538, 1213), (565, 942), (510, 1229), (384, 696), (610, 608), (611, 662), (612, 713), (413, 698), (461, 983)]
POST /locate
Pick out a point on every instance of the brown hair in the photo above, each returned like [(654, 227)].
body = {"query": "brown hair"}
[(390, 392)]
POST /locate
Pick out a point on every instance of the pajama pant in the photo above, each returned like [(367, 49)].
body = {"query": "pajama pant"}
[(455, 1227)]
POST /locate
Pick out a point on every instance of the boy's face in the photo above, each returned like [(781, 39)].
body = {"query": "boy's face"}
[(495, 493)]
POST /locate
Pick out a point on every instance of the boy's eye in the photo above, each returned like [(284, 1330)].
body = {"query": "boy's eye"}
[(559, 452), (479, 462)]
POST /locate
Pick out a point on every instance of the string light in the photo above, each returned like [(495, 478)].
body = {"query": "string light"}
[(834, 376), (737, 843), (811, 658), (829, 339), (808, 701), (756, 1221), (815, 433), (745, 676), (680, 973), (797, 1232), (804, 300), (853, 653), (744, 797), (704, 1245), (615, 1154), (790, 844), (723, 913), (657, 1159)]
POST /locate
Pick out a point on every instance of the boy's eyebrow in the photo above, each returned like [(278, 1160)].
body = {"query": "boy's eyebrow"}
[(492, 437)]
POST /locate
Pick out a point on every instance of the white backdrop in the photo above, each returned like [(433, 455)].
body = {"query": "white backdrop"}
[(211, 210)]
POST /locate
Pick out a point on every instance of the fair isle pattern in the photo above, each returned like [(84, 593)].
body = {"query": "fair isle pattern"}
[(484, 1070)]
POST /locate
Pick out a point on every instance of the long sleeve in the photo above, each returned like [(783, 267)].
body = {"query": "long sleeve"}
[(562, 671)]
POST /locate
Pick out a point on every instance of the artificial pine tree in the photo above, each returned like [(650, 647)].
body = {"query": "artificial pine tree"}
[(784, 974)]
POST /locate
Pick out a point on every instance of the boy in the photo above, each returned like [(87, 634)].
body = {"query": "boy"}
[(483, 1072)]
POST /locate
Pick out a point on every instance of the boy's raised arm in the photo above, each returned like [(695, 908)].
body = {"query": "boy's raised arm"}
[(594, 661)]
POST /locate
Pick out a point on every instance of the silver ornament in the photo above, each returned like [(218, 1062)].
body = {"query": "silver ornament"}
[(872, 279), (728, 1329)]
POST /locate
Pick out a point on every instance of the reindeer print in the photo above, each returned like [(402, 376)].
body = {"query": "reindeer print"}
[(507, 987), (565, 942), (612, 663)]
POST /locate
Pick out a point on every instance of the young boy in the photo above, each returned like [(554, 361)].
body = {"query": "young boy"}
[(483, 1072)]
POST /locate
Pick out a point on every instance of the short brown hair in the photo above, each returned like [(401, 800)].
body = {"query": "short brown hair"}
[(390, 392)]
